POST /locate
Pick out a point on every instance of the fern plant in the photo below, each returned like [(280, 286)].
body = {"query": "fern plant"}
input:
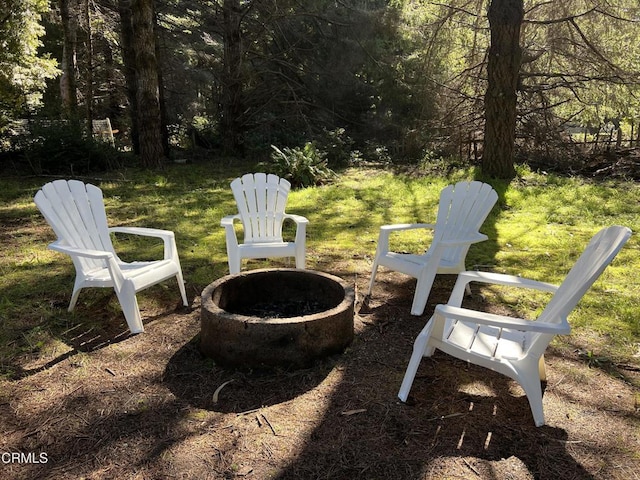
[(303, 167)]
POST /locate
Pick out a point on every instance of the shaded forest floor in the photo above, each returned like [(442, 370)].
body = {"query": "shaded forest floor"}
[(143, 407)]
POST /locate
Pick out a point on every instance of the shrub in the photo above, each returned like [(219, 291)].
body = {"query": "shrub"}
[(64, 147), (303, 167), (338, 146)]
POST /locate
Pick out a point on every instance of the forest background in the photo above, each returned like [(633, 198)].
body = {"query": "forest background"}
[(340, 81)]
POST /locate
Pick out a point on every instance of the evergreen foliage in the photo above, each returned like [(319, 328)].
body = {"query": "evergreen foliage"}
[(23, 69), (408, 77)]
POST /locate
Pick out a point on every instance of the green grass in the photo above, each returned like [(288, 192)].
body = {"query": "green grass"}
[(537, 230)]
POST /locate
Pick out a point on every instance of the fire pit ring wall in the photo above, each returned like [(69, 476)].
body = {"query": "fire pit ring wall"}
[(233, 338)]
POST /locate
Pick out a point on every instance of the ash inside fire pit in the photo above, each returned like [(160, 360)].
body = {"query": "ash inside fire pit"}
[(276, 317), (283, 309)]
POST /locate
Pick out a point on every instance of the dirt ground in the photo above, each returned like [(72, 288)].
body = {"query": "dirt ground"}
[(114, 406)]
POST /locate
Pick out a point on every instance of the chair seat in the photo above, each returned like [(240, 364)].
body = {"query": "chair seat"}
[(485, 341), (274, 245), (267, 250), (140, 273)]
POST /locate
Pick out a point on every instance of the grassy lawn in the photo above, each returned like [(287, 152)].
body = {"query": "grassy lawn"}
[(537, 230)]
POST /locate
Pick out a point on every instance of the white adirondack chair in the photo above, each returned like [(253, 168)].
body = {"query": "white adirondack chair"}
[(261, 200), (513, 346), (75, 211), (462, 209)]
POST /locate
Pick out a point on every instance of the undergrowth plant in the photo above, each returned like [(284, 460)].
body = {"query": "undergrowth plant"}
[(303, 167), (65, 148)]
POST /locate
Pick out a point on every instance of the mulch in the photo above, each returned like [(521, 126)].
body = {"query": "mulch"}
[(108, 405)]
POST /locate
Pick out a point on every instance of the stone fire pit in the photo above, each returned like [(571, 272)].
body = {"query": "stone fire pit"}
[(276, 317)]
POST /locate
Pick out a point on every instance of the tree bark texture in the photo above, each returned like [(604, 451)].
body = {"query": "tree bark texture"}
[(89, 46), (161, 98), (147, 87), (129, 63), (232, 108), (69, 14), (505, 57)]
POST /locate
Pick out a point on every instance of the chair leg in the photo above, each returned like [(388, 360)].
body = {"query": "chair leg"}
[(529, 380), (300, 259), (183, 291), (423, 289), (77, 286), (374, 271), (421, 349), (74, 298), (537, 410), (130, 308), (419, 302), (234, 263)]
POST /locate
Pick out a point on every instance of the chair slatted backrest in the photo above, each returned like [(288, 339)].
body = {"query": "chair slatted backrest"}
[(261, 201), (102, 130), (462, 209), (598, 254), (75, 211)]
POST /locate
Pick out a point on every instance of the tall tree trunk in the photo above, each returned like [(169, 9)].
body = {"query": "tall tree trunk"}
[(89, 94), (148, 90), (111, 72), (505, 56), (129, 61), (163, 103), (232, 108), (69, 13), (163, 115)]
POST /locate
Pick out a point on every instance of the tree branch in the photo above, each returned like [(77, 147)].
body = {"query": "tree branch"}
[(569, 18), (591, 46)]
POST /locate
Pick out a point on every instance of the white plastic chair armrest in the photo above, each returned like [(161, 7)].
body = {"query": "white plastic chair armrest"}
[(505, 280), (465, 278), (167, 236), (386, 230), (405, 226), (109, 258), (80, 252), (230, 232), (143, 231), (227, 221), (298, 219), (501, 321), (480, 237), (301, 227)]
